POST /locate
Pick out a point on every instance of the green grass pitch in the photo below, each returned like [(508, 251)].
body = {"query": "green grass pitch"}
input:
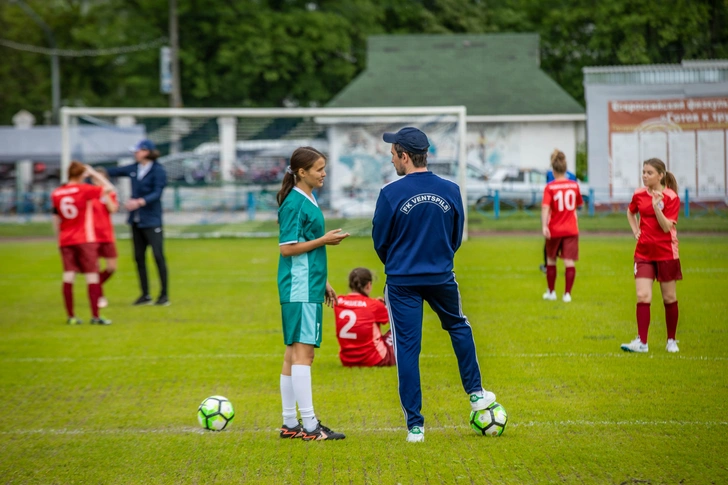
[(118, 404)]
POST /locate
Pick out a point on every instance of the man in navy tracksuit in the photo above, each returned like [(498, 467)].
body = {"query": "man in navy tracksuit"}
[(418, 226), (148, 179)]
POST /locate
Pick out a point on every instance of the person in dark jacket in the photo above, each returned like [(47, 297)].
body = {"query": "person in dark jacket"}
[(417, 228), (148, 179)]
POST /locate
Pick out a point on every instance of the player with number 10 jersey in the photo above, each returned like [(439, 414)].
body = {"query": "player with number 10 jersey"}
[(560, 226)]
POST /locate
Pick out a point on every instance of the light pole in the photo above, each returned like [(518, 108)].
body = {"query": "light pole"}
[(55, 70)]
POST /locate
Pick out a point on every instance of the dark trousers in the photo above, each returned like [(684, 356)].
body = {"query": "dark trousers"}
[(405, 307), (154, 237)]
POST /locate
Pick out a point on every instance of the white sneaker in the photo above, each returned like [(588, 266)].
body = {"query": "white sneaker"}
[(635, 346), (481, 400), (416, 434), (567, 298), (549, 295), (102, 302), (672, 345)]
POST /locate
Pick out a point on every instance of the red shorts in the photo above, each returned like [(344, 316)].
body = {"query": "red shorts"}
[(658, 270), (80, 258), (567, 247), (388, 359), (107, 250)]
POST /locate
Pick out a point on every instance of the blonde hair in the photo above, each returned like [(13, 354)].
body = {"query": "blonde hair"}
[(558, 161)]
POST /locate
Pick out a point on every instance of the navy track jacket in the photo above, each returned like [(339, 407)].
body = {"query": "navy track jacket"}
[(149, 188), (418, 227)]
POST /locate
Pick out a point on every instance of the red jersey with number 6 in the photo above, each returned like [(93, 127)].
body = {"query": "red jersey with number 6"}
[(563, 196), (102, 219), (357, 327), (73, 204), (655, 244)]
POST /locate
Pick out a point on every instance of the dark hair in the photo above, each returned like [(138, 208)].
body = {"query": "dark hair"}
[(302, 158), (76, 169), (152, 155), (668, 179), (418, 159), (359, 278), (558, 161)]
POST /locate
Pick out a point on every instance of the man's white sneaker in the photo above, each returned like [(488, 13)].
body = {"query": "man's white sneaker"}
[(635, 346), (672, 345), (549, 295), (102, 302), (416, 434), (567, 298), (481, 400)]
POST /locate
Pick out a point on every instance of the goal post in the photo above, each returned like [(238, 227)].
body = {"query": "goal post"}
[(225, 164)]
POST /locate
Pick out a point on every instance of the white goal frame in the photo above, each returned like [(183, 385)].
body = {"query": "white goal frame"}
[(459, 112)]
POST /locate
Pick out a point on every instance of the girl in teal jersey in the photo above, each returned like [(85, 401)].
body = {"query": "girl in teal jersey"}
[(303, 289)]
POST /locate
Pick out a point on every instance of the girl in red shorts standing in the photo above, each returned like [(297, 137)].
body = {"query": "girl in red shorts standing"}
[(656, 256), (103, 208), (358, 321), (560, 227), (74, 224)]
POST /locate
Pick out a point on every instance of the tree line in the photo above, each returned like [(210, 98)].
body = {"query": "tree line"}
[(266, 53)]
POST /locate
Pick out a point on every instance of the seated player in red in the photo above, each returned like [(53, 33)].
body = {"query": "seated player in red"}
[(560, 227), (103, 208), (74, 224), (358, 322)]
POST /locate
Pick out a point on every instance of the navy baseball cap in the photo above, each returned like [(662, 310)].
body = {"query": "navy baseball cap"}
[(144, 145), (409, 138)]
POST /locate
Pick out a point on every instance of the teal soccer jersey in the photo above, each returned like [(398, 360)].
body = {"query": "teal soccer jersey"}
[(301, 278)]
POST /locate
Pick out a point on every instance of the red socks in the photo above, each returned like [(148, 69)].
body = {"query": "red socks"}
[(643, 320), (671, 314), (551, 277), (105, 275), (94, 292), (68, 298), (570, 275)]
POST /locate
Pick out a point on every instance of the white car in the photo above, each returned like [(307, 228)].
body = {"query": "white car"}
[(515, 186)]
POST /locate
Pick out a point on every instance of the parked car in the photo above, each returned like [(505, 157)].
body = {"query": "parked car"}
[(515, 186), (191, 168)]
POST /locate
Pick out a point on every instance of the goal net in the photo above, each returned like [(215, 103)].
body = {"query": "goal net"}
[(225, 166)]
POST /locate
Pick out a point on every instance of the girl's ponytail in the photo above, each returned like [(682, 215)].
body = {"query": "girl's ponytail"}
[(670, 181)]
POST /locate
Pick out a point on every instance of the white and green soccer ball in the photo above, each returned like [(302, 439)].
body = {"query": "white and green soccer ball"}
[(215, 413), (490, 421)]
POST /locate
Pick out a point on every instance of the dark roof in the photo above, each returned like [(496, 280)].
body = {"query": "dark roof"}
[(490, 74)]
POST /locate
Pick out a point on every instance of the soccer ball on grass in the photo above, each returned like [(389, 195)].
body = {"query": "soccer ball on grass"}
[(215, 413), (490, 421)]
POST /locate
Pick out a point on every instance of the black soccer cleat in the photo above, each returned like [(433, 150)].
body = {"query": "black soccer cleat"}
[(162, 301), (322, 433), (143, 300), (100, 321), (292, 433)]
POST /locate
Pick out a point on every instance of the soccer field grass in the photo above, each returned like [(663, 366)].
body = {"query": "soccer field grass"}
[(118, 404)]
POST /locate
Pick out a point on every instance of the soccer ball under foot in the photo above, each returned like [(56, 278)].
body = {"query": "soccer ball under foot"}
[(215, 413), (490, 421)]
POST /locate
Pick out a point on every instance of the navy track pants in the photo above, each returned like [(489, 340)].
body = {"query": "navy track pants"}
[(405, 316)]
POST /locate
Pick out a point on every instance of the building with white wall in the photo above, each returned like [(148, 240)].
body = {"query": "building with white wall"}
[(675, 112)]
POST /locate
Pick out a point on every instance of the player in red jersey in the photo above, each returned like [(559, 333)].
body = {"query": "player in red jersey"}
[(656, 256), (103, 208), (358, 321), (74, 224), (560, 226)]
